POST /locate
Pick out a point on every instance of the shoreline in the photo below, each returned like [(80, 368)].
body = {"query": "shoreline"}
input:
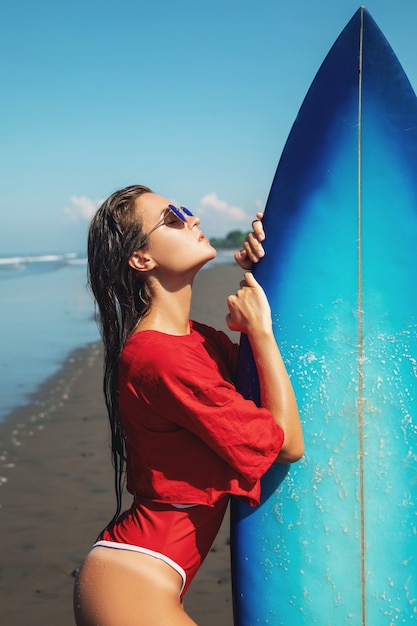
[(29, 419), (56, 484)]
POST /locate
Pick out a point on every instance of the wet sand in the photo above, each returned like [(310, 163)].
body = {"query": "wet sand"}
[(56, 486)]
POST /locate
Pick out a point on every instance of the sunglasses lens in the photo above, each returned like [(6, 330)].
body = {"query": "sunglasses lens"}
[(177, 212), (180, 212)]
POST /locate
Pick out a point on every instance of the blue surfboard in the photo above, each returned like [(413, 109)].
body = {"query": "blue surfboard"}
[(334, 541)]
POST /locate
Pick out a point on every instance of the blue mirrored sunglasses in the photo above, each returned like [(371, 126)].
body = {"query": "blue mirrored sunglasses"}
[(181, 212)]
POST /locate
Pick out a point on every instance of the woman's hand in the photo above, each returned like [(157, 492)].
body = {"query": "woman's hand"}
[(249, 310), (252, 248)]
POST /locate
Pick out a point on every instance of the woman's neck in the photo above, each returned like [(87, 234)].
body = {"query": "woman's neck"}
[(170, 310)]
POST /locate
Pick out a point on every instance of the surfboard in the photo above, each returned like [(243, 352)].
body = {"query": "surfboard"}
[(334, 541)]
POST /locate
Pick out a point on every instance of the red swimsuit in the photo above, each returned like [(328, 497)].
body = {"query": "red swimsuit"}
[(181, 537)]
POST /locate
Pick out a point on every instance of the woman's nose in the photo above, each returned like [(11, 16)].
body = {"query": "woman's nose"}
[(193, 220)]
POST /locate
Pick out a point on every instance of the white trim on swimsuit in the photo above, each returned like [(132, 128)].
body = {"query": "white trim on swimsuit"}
[(156, 555)]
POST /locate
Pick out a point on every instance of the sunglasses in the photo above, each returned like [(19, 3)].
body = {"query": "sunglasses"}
[(180, 212)]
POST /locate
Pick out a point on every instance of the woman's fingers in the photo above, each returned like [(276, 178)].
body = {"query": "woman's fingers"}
[(252, 249)]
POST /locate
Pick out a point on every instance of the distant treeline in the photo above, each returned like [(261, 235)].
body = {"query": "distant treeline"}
[(233, 240)]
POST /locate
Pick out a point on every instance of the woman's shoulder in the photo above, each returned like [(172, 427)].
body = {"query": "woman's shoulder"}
[(208, 332), (151, 347), (219, 346)]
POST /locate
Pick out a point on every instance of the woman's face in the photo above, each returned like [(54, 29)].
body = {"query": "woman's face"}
[(174, 245)]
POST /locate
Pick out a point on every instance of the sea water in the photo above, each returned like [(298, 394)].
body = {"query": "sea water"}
[(46, 312)]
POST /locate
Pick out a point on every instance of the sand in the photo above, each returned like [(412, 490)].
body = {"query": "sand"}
[(56, 487)]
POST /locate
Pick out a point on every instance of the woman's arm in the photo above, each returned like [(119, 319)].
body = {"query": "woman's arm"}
[(250, 313)]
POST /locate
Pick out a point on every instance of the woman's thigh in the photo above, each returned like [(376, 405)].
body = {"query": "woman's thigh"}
[(126, 588)]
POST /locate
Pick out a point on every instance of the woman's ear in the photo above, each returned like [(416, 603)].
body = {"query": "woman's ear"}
[(141, 261)]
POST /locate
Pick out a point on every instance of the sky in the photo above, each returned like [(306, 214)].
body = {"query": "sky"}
[(193, 98)]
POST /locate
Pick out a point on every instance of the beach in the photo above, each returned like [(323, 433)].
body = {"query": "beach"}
[(56, 485)]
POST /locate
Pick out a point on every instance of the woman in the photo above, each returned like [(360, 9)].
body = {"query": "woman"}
[(186, 438)]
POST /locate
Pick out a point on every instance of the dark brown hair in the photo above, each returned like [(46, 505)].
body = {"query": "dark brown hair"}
[(122, 297)]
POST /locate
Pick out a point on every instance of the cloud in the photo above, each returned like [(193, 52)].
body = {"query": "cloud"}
[(211, 202), (81, 208), (218, 217)]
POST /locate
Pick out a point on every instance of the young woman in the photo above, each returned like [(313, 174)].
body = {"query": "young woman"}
[(185, 437)]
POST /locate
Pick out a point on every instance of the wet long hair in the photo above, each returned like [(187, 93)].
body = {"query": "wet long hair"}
[(122, 297)]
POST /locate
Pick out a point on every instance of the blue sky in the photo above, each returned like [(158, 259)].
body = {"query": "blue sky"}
[(194, 99)]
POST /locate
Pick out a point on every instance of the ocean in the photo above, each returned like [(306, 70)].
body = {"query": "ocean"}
[(46, 313)]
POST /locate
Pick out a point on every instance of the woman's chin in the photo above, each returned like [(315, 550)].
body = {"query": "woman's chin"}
[(214, 251), (210, 256)]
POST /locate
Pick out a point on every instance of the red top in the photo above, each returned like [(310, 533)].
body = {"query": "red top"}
[(191, 437)]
